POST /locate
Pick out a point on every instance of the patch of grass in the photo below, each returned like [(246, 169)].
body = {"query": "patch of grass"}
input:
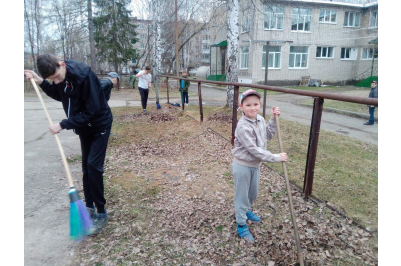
[(74, 159)]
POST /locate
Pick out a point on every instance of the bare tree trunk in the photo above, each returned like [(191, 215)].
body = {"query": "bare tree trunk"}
[(31, 41), (177, 63), (91, 38), (232, 49)]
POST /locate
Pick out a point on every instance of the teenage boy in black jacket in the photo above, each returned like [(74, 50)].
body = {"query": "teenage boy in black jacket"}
[(88, 114)]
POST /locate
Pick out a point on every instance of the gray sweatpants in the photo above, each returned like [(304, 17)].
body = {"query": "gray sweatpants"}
[(246, 181)]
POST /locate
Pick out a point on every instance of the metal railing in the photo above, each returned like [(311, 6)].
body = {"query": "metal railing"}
[(316, 115)]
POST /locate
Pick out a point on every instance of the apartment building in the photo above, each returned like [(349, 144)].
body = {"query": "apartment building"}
[(335, 42), (144, 33)]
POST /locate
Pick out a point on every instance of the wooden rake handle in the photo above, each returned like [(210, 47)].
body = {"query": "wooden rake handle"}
[(287, 182), (67, 169)]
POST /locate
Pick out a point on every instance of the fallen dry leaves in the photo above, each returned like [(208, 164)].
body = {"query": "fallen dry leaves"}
[(170, 201)]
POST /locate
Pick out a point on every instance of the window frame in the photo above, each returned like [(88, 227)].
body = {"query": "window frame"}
[(369, 54), (272, 55), (329, 15), (273, 16), (328, 51), (301, 57), (375, 19), (298, 19), (356, 14), (351, 52), (242, 57), (246, 21)]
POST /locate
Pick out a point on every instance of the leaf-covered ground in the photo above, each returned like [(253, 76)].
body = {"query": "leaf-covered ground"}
[(170, 191)]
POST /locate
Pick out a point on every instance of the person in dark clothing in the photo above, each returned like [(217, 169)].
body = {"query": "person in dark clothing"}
[(88, 115), (184, 88), (109, 83), (372, 94)]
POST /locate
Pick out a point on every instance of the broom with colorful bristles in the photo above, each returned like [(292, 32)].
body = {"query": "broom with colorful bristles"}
[(80, 221)]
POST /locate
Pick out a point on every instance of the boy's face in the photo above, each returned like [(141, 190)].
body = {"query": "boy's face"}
[(184, 73), (59, 75), (250, 106), (373, 84)]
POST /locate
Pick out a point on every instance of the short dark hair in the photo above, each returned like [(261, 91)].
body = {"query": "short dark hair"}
[(47, 64), (147, 67)]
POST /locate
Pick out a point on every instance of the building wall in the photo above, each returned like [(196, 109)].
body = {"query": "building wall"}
[(329, 70)]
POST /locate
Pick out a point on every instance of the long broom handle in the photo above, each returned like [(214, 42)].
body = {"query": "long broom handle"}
[(67, 169), (294, 222)]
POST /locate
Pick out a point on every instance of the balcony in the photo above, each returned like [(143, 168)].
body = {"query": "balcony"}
[(205, 61), (205, 51), (205, 41)]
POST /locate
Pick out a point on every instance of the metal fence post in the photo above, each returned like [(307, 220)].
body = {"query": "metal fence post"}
[(235, 107), (200, 101), (313, 143)]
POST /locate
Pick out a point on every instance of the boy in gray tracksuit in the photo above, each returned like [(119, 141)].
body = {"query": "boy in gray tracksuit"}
[(249, 151)]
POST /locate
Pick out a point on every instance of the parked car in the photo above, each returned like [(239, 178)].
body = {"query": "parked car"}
[(192, 72)]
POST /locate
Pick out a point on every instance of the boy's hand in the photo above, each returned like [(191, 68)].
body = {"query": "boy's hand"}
[(150, 85), (283, 157), (275, 111), (29, 74), (56, 128)]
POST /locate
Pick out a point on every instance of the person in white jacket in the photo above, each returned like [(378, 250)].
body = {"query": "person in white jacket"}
[(250, 150), (144, 84)]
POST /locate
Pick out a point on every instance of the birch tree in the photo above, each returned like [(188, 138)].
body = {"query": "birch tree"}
[(232, 48)]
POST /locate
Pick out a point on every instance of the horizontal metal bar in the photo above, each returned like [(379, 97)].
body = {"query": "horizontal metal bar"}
[(325, 95)]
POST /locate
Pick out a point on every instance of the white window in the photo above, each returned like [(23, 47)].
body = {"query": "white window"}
[(373, 19), (246, 22), (324, 52), (367, 53), (352, 19), (301, 19), (244, 57), (196, 56), (142, 46), (328, 16), (274, 57), (274, 17), (299, 57), (180, 56), (349, 53), (205, 56), (141, 26), (197, 47)]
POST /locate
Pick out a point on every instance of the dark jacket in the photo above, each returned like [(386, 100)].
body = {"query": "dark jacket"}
[(185, 84), (107, 85), (373, 93), (83, 99)]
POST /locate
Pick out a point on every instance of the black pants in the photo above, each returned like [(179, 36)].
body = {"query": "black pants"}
[(185, 95), (93, 148), (144, 96)]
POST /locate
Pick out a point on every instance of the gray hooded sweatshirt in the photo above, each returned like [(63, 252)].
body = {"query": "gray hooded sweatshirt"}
[(250, 143)]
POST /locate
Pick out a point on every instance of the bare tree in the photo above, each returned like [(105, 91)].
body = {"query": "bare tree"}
[(232, 48), (91, 39), (30, 17)]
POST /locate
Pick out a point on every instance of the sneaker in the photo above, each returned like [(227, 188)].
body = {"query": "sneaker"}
[(253, 217), (244, 233), (99, 221), (144, 110), (91, 212), (368, 124)]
